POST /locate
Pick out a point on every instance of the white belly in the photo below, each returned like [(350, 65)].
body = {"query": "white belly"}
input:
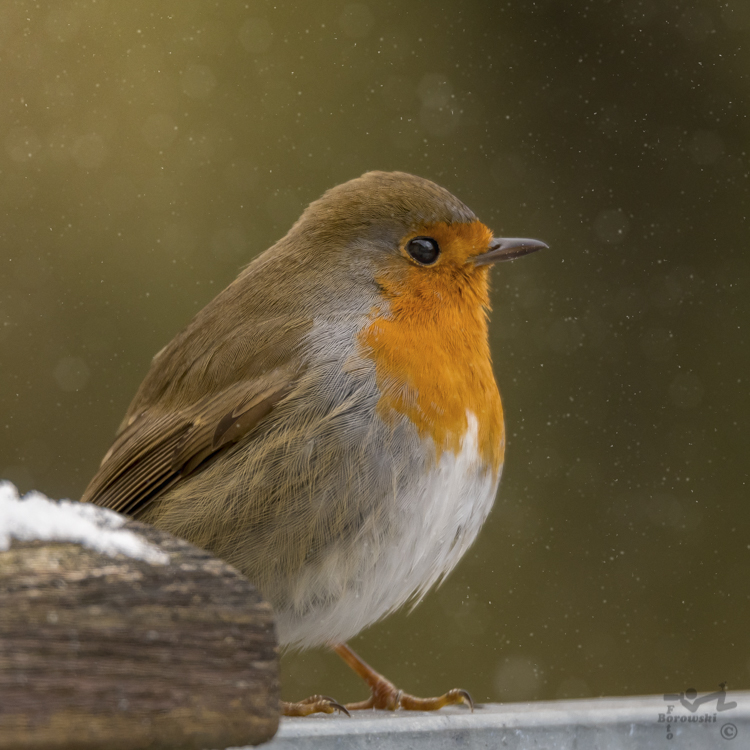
[(438, 519)]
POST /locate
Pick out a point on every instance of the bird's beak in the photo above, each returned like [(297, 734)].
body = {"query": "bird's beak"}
[(507, 248)]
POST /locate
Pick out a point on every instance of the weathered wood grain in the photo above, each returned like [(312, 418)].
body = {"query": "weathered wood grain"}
[(116, 653)]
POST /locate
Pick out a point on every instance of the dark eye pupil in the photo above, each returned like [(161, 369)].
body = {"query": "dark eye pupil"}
[(424, 250)]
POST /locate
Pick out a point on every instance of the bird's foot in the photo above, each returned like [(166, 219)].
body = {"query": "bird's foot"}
[(315, 704), (385, 695)]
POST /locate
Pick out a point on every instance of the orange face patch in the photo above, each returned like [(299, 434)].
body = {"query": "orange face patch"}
[(458, 242), (431, 351)]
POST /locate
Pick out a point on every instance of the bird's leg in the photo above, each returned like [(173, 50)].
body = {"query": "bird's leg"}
[(385, 695), (315, 704)]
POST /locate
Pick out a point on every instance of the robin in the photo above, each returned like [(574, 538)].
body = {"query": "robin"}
[(330, 423)]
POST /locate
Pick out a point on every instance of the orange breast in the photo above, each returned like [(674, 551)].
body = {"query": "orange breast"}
[(431, 350)]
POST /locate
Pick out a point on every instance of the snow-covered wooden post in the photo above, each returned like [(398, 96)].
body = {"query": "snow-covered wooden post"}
[(116, 635)]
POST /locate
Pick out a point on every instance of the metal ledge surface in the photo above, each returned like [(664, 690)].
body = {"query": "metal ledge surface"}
[(687, 723)]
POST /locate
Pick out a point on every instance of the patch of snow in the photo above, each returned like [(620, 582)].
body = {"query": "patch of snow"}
[(35, 517)]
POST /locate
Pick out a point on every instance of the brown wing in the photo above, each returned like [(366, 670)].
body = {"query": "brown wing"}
[(157, 449)]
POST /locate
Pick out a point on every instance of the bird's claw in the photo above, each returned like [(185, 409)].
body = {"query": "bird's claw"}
[(315, 704)]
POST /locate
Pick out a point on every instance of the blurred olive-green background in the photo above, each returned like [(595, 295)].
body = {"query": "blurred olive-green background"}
[(150, 150)]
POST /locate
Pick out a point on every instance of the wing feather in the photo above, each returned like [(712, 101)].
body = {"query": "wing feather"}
[(156, 449)]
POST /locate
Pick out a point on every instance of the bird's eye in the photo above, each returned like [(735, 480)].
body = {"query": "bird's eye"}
[(424, 250)]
